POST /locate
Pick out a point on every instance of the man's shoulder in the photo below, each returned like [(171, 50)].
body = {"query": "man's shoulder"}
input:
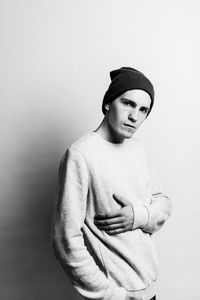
[(84, 144), (78, 149)]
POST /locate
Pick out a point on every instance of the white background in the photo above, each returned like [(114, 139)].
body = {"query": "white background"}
[(55, 62)]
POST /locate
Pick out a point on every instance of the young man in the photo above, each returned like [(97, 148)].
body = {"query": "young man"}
[(109, 201)]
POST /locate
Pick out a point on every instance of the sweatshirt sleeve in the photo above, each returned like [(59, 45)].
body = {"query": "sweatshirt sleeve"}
[(67, 235), (151, 217), (159, 209)]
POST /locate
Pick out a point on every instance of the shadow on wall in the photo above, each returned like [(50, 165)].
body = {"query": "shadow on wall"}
[(29, 268)]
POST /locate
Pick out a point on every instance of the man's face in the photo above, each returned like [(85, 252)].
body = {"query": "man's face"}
[(126, 113)]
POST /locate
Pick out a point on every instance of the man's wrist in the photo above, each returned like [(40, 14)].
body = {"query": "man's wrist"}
[(140, 216)]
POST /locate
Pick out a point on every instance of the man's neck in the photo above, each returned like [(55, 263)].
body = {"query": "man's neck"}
[(106, 132)]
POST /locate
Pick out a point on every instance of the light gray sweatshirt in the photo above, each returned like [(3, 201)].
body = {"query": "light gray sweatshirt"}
[(102, 266)]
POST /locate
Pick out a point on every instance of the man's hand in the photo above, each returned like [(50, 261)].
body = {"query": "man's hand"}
[(116, 221)]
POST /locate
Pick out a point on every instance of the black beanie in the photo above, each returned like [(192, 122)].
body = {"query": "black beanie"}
[(125, 79)]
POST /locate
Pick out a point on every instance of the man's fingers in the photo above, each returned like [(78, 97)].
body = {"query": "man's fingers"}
[(111, 221), (110, 227), (121, 200), (112, 214), (116, 231)]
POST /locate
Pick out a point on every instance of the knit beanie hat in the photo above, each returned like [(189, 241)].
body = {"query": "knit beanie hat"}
[(125, 79)]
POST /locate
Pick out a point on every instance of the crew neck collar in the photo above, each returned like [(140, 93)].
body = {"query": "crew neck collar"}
[(108, 142)]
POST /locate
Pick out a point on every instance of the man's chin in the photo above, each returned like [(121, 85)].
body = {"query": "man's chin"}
[(130, 131), (125, 134), (128, 135)]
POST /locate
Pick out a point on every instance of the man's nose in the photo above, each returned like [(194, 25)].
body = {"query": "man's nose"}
[(133, 115)]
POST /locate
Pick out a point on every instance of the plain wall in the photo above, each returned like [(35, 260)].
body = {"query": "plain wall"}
[(55, 62)]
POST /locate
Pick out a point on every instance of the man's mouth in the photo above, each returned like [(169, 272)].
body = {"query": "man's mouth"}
[(129, 126)]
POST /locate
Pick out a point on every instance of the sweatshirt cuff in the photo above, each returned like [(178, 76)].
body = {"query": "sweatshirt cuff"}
[(140, 216)]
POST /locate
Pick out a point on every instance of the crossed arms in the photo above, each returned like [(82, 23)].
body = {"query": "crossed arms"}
[(148, 218)]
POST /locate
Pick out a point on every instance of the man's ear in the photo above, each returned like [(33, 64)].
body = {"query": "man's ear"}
[(107, 106)]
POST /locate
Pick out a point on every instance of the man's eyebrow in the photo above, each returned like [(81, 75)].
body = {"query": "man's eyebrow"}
[(126, 99)]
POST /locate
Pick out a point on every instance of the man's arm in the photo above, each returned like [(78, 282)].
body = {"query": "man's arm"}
[(150, 218), (159, 209), (68, 240)]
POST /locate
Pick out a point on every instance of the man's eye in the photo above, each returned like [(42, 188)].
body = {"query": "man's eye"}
[(126, 103), (144, 110)]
